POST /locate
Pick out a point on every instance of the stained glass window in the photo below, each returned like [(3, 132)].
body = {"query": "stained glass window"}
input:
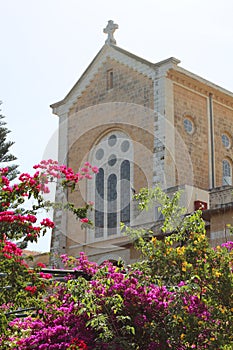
[(112, 204), (112, 191), (125, 191), (226, 172), (99, 204), (226, 141)]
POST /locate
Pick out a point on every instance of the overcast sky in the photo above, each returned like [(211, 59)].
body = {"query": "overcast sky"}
[(47, 44)]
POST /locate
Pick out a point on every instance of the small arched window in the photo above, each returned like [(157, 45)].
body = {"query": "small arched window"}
[(226, 173), (226, 141)]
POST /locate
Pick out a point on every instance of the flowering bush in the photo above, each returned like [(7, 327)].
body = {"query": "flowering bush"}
[(120, 308), (21, 286), (178, 296), (57, 327), (19, 223)]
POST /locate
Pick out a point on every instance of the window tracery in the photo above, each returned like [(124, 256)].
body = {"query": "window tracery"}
[(112, 185)]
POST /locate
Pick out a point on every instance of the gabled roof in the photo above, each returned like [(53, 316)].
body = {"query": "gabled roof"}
[(135, 62), (110, 51)]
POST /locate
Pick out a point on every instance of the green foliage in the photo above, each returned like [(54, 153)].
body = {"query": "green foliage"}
[(179, 252), (6, 158), (20, 286), (178, 296)]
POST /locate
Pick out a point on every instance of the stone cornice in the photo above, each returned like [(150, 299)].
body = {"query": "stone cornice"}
[(201, 86)]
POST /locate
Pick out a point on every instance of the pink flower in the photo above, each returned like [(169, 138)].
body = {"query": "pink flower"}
[(7, 256), (47, 222), (4, 170), (64, 258), (181, 284), (85, 220), (95, 169), (40, 264), (46, 276), (11, 248), (5, 180), (31, 218), (45, 189), (31, 289)]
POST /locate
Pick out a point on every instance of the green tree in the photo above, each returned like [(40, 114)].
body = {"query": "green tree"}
[(5, 156)]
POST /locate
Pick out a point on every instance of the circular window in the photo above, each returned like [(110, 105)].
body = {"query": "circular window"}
[(112, 160), (226, 141), (112, 140), (125, 146), (99, 154), (188, 125)]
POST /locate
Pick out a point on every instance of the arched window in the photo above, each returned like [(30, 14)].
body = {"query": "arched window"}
[(226, 173), (112, 204), (112, 185), (125, 192), (99, 203), (226, 141)]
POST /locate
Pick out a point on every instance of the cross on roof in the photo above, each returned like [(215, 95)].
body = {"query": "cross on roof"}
[(110, 29)]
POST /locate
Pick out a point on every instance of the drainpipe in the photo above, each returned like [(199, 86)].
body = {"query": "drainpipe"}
[(211, 133)]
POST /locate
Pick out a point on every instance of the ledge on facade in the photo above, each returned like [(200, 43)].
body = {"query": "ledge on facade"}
[(221, 189), (221, 197), (221, 208)]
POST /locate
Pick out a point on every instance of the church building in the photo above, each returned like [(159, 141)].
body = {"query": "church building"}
[(142, 124)]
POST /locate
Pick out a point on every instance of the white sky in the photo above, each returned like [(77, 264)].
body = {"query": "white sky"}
[(47, 44)]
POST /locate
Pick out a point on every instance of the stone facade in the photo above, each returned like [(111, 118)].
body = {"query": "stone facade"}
[(189, 104), (220, 214), (175, 122)]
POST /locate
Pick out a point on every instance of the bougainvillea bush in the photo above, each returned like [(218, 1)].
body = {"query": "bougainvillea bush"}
[(177, 296), (119, 308), (20, 203)]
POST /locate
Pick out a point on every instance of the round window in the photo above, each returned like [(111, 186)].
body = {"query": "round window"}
[(112, 140), (125, 146), (226, 141), (112, 160), (188, 125), (99, 154)]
